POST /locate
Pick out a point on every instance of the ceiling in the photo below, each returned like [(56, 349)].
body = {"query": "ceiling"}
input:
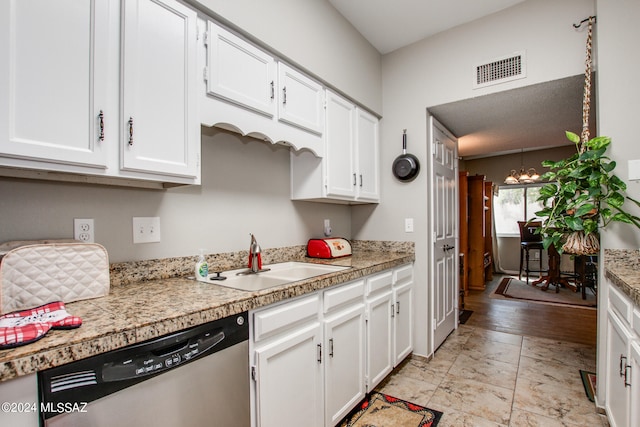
[(527, 118), (389, 25), (531, 117)]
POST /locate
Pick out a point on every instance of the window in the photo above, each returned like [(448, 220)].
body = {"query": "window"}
[(515, 203)]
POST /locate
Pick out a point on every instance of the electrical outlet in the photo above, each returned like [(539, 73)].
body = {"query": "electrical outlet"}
[(146, 229), (327, 227), (83, 230), (408, 225)]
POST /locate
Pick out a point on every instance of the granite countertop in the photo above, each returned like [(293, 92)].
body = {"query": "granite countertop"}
[(143, 310), (622, 268)]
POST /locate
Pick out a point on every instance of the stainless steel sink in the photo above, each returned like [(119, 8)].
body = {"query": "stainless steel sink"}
[(278, 274)]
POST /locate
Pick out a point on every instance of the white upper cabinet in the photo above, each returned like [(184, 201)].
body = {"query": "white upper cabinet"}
[(161, 130), (101, 88), (340, 147), (367, 156), (240, 72), (53, 80), (301, 100), (250, 91), (349, 171)]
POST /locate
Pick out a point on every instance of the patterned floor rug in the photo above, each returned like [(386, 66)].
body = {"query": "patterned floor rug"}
[(381, 410), (512, 288), (589, 383)]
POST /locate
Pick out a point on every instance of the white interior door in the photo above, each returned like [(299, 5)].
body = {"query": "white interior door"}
[(443, 207)]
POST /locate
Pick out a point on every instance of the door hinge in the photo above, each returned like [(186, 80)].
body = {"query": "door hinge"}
[(253, 373)]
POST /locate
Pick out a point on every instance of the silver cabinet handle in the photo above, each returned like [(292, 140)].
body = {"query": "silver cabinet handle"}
[(393, 310), (623, 363), (130, 130), (398, 307), (331, 347), (360, 180), (284, 95), (319, 353), (101, 126), (354, 179), (627, 375), (273, 92)]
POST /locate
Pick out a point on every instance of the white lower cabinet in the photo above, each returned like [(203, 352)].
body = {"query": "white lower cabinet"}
[(379, 337), (622, 382), (344, 344), (403, 316), (310, 355)]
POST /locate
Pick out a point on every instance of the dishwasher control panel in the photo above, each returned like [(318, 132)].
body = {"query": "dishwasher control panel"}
[(156, 361)]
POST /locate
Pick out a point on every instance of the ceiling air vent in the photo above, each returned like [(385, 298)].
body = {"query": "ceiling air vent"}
[(500, 70)]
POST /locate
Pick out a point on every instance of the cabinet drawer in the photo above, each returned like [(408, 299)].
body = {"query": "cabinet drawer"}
[(403, 274), (379, 281), (277, 319), (343, 294), (620, 303)]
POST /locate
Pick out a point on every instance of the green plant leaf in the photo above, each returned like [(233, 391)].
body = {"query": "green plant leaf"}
[(574, 223), (585, 209), (572, 137)]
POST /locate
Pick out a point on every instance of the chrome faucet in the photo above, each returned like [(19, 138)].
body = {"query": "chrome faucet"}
[(255, 258)]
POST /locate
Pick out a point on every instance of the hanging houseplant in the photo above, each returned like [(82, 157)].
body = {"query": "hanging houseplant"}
[(586, 194)]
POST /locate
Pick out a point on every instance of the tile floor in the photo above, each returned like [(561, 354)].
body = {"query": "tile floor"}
[(483, 378)]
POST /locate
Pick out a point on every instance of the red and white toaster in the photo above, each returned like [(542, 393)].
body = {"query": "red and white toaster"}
[(332, 247)]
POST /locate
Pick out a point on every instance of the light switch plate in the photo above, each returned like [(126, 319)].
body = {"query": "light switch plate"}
[(146, 229), (634, 170), (408, 225)]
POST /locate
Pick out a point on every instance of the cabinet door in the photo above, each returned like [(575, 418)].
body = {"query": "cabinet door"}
[(301, 100), (367, 148), (53, 80), (617, 394), (289, 380), (402, 324), (379, 344), (339, 134), (634, 374), (240, 72), (161, 132), (344, 368)]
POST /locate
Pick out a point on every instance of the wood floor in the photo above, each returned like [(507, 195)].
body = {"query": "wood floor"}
[(525, 318)]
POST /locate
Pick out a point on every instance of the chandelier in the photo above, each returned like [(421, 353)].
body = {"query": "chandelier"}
[(528, 176)]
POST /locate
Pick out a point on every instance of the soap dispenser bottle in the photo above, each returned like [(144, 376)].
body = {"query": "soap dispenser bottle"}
[(202, 268)]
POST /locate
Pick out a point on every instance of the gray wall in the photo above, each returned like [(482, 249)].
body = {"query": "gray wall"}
[(439, 70), (245, 188)]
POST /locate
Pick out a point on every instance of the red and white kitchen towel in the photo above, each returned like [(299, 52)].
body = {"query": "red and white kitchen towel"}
[(27, 326)]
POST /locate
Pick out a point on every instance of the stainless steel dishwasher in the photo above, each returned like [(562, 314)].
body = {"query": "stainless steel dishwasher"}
[(196, 377)]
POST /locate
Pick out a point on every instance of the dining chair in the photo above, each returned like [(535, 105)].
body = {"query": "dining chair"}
[(529, 240)]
